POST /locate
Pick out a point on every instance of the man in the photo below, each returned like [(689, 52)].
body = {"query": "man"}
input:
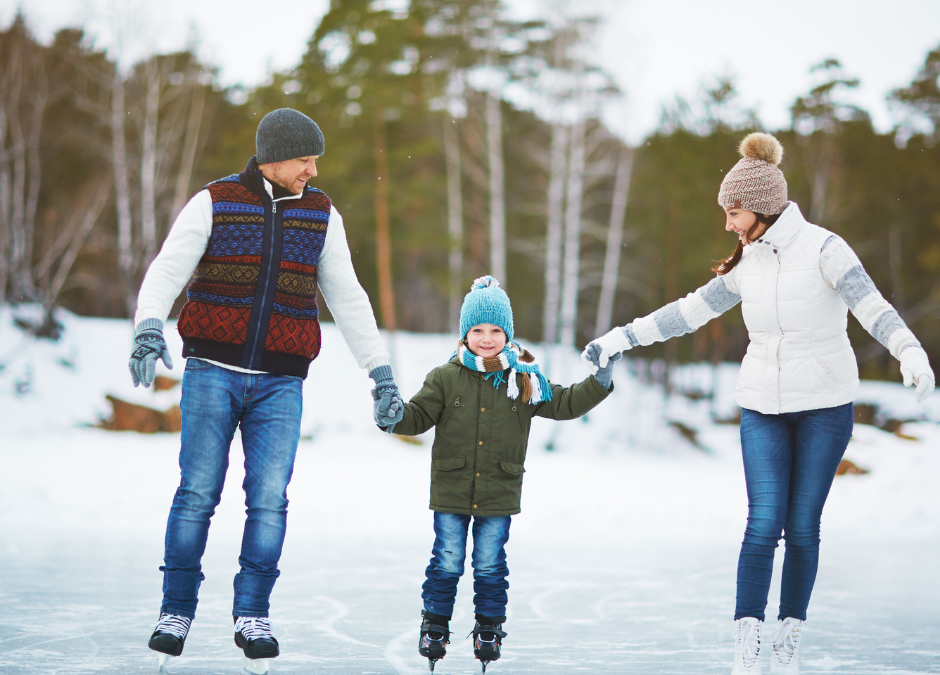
[(253, 248)]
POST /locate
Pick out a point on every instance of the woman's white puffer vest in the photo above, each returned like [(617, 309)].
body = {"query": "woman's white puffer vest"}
[(799, 357)]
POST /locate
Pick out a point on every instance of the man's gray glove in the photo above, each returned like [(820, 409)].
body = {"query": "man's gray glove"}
[(604, 376), (388, 408), (149, 346)]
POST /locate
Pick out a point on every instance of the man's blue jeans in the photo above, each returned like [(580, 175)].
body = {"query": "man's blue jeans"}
[(488, 560), (790, 461), (215, 402)]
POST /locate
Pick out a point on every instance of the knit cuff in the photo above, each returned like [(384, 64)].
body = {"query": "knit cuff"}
[(148, 324), (382, 374)]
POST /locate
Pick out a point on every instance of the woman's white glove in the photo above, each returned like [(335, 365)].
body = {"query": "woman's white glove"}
[(915, 369), (598, 352)]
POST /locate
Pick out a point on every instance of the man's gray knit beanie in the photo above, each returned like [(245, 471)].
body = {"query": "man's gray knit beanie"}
[(286, 133)]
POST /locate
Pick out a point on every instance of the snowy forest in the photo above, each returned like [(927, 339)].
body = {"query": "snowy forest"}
[(458, 143)]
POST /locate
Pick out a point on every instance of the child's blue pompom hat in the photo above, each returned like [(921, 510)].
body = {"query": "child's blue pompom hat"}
[(486, 303)]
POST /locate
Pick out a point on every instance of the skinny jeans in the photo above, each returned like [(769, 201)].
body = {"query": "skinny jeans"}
[(790, 461)]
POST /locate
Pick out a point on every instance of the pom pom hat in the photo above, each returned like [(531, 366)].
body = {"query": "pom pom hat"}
[(755, 183), (486, 303)]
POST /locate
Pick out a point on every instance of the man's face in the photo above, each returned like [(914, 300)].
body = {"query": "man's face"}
[(291, 174)]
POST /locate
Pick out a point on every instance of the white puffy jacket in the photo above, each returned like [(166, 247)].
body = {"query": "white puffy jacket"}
[(796, 284), (799, 357)]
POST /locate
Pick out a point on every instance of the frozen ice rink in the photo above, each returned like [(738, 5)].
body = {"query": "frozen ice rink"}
[(622, 561)]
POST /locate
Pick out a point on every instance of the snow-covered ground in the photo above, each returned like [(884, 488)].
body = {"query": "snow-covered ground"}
[(622, 561)]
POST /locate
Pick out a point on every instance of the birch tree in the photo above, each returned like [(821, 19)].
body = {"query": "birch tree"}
[(24, 95), (618, 210)]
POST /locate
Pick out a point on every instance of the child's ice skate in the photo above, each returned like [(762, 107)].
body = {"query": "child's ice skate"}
[(253, 635), (169, 637), (435, 635), (487, 640)]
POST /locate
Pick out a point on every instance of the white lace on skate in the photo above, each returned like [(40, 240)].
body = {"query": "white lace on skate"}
[(786, 641), (746, 645), (173, 624), (254, 628)]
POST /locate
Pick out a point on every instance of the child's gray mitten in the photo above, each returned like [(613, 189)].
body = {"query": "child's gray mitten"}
[(604, 376), (149, 346), (388, 408)]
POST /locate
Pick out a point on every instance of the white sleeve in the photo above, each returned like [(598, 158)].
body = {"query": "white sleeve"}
[(843, 272), (173, 267), (687, 314), (346, 299)]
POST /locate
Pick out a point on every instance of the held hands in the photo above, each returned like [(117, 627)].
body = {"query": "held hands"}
[(915, 369), (604, 376), (149, 346), (388, 408), (598, 352)]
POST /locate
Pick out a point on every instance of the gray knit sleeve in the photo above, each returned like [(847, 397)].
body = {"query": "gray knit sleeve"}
[(686, 314), (843, 272)]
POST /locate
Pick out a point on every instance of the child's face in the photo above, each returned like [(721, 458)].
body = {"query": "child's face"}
[(486, 340)]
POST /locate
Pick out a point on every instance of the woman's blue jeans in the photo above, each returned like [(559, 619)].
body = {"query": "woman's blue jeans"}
[(488, 560), (790, 461), (215, 402)]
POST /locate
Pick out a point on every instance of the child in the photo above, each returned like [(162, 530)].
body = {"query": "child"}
[(482, 402)]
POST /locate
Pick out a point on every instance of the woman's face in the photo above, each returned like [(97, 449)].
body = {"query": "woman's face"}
[(740, 221)]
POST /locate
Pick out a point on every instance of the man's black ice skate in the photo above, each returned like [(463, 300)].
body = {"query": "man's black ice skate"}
[(169, 637), (488, 639), (253, 635), (435, 634)]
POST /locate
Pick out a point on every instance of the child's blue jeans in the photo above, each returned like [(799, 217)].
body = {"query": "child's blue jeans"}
[(790, 461), (488, 560)]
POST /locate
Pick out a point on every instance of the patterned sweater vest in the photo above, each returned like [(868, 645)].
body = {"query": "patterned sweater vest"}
[(252, 301)]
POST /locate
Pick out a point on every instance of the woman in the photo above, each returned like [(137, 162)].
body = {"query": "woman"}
[(795, 282)]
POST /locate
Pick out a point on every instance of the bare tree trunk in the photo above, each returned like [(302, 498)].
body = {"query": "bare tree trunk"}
[(553, 235), (148, 164), (383, 234), (494, 138), (895, 265), (618, 210), (5, 202), (454, 219), (122, 200), (76, 241), (819, 170), (572, 259), (190, 145)]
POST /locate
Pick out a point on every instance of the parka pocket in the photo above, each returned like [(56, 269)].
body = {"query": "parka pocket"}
[(449, 463), (824, 374), (512, 468)]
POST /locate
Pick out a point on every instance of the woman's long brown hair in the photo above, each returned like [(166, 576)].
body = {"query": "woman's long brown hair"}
[(725, 266)]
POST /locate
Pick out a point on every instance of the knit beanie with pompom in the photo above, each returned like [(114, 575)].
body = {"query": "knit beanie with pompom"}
[(486, 303), (755, 183)]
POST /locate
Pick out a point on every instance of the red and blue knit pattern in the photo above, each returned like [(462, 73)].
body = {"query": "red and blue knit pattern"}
[(229, 297)]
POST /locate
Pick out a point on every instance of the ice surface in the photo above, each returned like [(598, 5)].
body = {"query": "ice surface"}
[(622, 561)]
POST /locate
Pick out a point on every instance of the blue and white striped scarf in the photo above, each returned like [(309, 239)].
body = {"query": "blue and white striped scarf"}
[(524, 376)]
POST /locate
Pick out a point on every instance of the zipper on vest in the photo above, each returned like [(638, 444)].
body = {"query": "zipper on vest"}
[(267, 282)]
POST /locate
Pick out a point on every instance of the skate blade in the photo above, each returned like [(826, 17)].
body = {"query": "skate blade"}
[(162, 660), (431, 663), (256, 666)]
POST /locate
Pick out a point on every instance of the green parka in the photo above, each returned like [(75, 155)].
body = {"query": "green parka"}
[(478, 456)]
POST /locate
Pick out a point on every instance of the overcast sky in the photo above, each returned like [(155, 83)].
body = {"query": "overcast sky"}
[(654, 48)]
